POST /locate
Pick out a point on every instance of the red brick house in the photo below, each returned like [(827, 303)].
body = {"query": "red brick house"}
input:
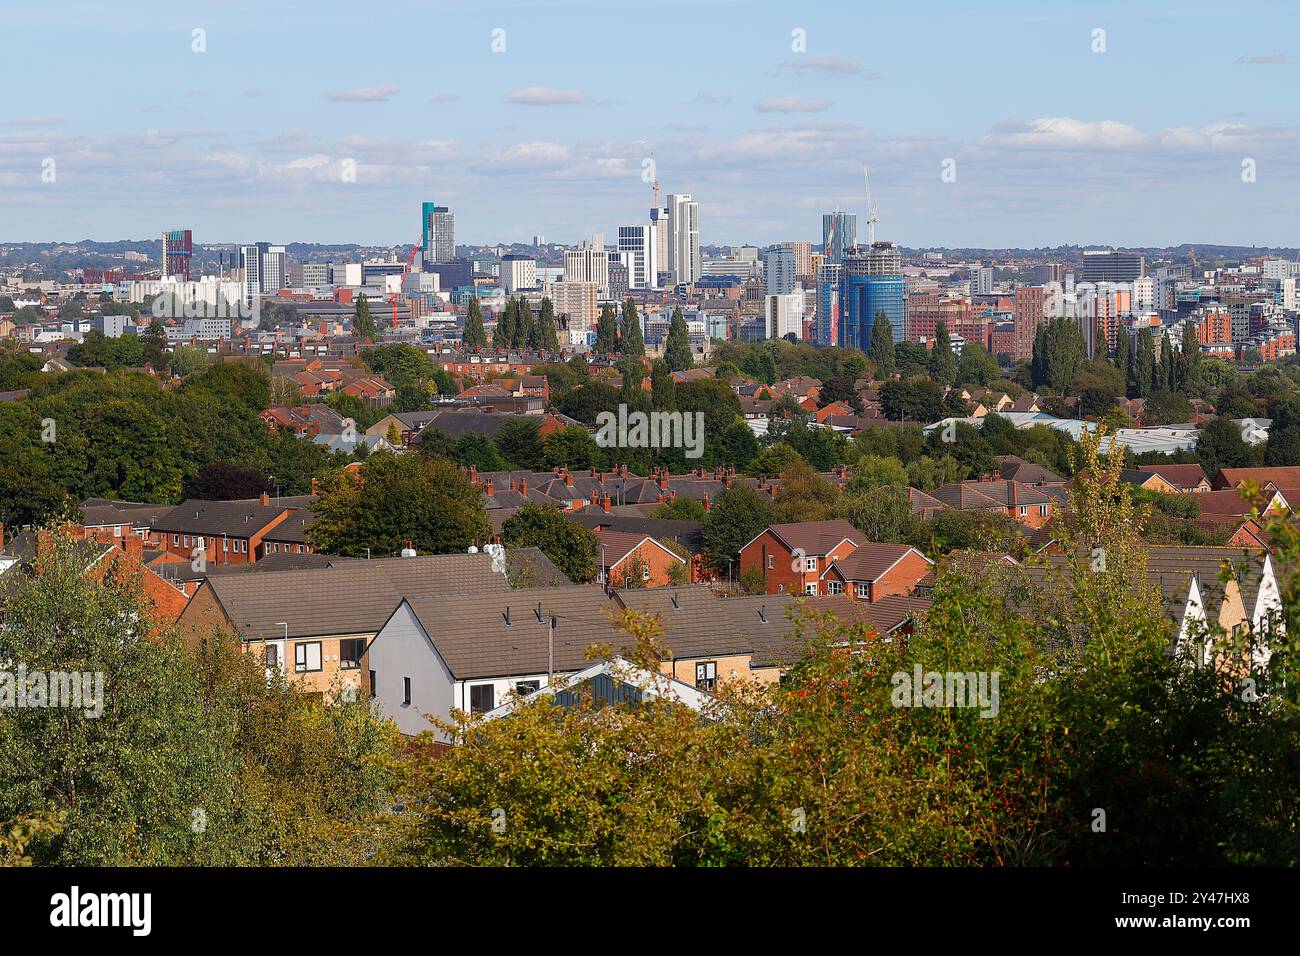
[(792, 557), (621, 552), (875, 571)]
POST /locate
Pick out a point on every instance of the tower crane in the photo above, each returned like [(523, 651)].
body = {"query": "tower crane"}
[(406, 270), (873, 212)]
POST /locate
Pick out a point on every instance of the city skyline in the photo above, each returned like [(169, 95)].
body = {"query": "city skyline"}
[(1050, 133)]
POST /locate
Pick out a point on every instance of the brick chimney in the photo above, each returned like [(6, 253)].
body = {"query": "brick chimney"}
[(663, 479), (568, 479), (605, 502), (265, 499), (514, 485), (488, 489), (315, 486), (523, 486), (705, 501), (672, 496), (473, 473)]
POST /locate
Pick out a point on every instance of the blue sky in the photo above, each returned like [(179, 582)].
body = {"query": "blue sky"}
[(1141, 144)]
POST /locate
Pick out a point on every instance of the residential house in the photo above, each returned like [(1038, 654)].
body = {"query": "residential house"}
[(792, 557), (1189, 479), (630, 560), (874, 571)]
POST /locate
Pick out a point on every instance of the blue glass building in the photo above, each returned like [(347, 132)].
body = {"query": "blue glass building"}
[(862, 297)]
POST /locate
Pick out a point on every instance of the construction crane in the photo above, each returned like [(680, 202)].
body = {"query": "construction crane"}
[(392, 296), (873, 213)]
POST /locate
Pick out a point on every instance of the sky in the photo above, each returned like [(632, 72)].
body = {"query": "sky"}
[(1020, 123)]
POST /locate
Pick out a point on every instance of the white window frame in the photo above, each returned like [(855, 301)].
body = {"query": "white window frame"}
[(302, 657)]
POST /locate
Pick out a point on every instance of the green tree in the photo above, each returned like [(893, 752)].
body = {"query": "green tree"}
[(363, 323), (475, 335), (547, 336), (606, 331), (630, 341), (736, 518), (943, 367), (677, 349), (1220, 445), (503, 334), (395, 499), (154, 343), (882, 346), (570, 546), (520, 443)]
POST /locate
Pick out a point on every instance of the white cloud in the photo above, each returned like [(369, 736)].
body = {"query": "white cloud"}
[(545, 96), (38, 121), (530, 156), (791, 104), (824, 64), (364, 94)]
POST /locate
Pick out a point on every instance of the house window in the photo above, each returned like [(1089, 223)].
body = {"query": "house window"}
[(374, 689), (481, 698), (810, 588), (117, 532), (771, 561), (864, 590), (1024, 510), (525, 687), (306, 656), (406, 692), (810, 564), (351, 650), (834, 587), (272, 656), (225, 544), (176, 541), (187, 541), (645, 573), (706, 675), (1042, 510), (243, 546)]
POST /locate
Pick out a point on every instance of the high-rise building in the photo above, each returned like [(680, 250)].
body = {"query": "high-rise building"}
[(263, 268), (589, 263), (642, 251), (659, 224), (784, 315), (981, 280), (177, 250), (576, 302), (438, 233), (830, 279), (1030, 313), (802, 258), (518, 272), (839, 234), (684, 238), (873, 284), (779, 271), (1110, 266)]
